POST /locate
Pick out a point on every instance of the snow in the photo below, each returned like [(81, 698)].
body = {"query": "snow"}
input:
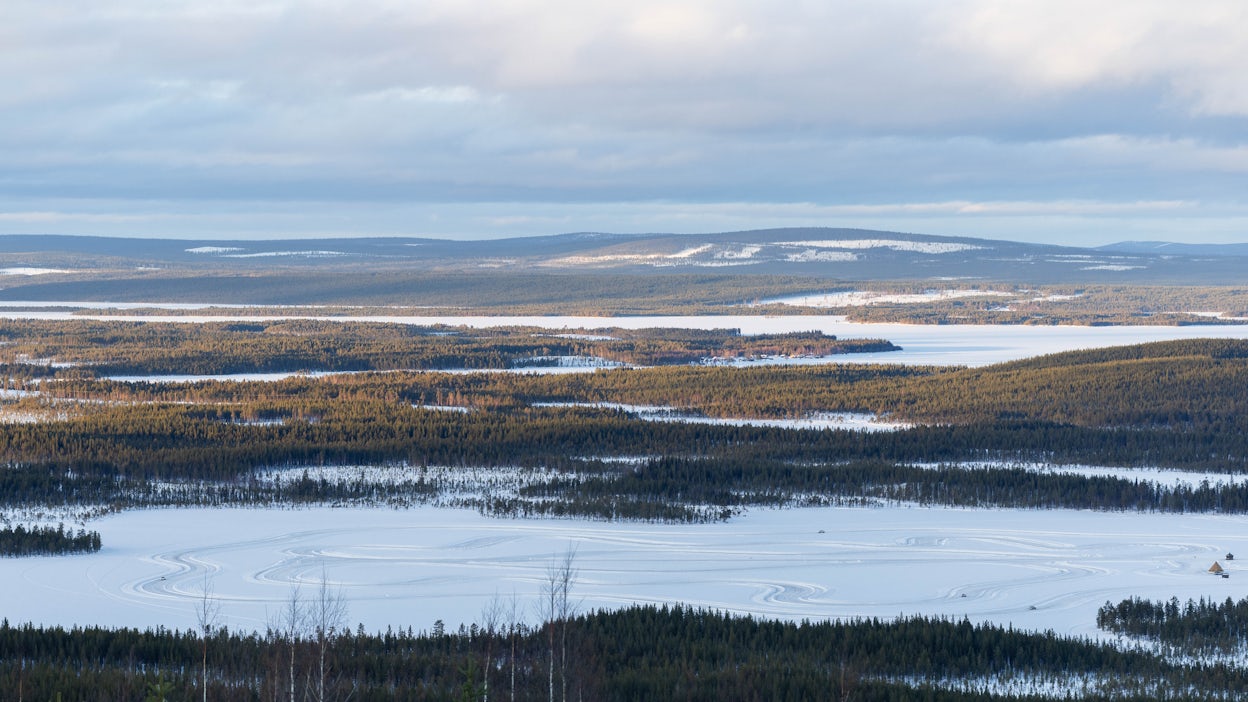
[(862, 298), (820, 420), (585, 337), (1030, 569), (690, 252), (224, 377), (744, 252), (1112, 267), (813, 256), (270, 254), (563, 362), (213, 249), (445, 408), (26, 270), (926, 247)]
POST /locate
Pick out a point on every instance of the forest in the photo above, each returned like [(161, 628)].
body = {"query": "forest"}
[(95, 349), (101, 445), (1201, 627), (638, 653)]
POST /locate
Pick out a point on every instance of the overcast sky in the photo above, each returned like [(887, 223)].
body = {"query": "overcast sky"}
[(1065, 121)]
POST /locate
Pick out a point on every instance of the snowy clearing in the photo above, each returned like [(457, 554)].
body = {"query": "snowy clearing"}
[(822, 420), (861, 298), (926, 247), (1031, 569)]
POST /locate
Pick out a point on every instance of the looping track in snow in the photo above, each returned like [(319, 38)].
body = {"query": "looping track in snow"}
[(1038, 569)]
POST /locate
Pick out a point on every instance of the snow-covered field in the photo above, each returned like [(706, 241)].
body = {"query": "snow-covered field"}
[(1031, 569)]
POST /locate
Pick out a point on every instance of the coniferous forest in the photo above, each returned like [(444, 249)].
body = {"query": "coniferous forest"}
[(633, 654)]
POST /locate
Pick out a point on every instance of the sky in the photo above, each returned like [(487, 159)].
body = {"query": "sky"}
[(1057, 121)]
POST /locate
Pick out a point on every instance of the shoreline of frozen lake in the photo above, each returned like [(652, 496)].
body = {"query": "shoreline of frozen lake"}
[(1030, 569), (934, 344)]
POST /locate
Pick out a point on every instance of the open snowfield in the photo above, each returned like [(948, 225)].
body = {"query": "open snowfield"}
[(1032, 569), (945, 344)]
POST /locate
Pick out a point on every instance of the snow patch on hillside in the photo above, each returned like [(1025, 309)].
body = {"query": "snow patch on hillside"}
[(863, 298), (26, 270), (924, 247), (213, 249), (743, 252), (269, 254), (813, 256)]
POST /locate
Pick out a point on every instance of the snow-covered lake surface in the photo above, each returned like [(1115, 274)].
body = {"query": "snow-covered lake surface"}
[(945, 344), (1032, 569)]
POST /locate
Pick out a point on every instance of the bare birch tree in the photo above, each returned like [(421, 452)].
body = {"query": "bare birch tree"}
[(207, 615), (326, 615), (490, 617), (557, 608), (513, 631), (288, 625)]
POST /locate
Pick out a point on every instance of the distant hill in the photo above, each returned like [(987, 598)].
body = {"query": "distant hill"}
[(843, 254), (1170, 248)]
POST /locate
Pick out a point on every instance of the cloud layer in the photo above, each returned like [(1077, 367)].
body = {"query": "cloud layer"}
[(501, 117)]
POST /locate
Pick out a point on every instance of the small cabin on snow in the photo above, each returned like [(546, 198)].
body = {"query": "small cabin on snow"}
[(1216, 568)]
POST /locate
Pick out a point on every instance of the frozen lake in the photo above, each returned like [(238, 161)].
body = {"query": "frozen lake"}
[(944, 344), (1032, 569)]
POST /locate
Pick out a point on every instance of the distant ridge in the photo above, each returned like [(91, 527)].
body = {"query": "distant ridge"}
[(1174, 248), (821, 252)]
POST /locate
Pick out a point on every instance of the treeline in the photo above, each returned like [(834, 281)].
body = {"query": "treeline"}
[(89, 348), (638, 654), (46, 541), (1087, 305), (1196, 627), (729, 483), (666, 489)]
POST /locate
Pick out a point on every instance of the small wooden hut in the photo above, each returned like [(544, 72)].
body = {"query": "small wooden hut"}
[(1216, 568)]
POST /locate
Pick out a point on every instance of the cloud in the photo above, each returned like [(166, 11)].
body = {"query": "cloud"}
[(74, 217), (1105, 105)]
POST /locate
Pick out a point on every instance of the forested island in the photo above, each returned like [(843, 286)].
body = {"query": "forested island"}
[(46, 541)]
